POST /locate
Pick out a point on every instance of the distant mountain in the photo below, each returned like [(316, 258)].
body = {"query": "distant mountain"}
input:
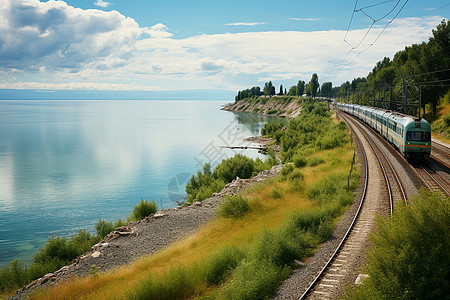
[(11, 94)]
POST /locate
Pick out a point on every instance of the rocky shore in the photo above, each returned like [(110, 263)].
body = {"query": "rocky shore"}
[(153, 233), (287, 107)]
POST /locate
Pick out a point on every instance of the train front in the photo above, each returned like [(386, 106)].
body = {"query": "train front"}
[(417, 139)]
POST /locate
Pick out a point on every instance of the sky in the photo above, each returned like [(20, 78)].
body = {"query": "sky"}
[(224, 46)]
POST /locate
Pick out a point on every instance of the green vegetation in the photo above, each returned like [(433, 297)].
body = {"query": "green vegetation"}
[(256, 270), (233, 207), (312, 131), (410, 257), (143, 209), (424, 64), (60, 251), (204, 184)]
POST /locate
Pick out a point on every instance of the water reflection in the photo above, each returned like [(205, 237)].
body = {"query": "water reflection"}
[(66, 164)]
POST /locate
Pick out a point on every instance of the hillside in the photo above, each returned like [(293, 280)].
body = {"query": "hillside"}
[(281, 106)]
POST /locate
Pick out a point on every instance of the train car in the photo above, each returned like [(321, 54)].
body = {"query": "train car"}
[(409, 134)]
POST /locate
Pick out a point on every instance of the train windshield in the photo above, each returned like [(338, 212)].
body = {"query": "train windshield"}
[(418, 136)]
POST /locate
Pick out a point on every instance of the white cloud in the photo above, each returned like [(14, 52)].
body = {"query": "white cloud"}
[(158, 31), (304, 19), (245, 24), (56, 35), (102, 3), (110, 55)]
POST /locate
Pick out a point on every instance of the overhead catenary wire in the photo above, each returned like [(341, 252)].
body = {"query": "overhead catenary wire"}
[(343, 62)]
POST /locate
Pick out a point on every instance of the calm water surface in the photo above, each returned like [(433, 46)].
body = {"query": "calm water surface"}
[(66, 164)]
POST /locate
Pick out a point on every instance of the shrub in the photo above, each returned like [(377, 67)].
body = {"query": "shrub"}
[(233, 207), (276, 194), (296, 174), (300, 161), (287, 169), (315, 161), (103, 228), (14, 275), (255, 280), (446, 119), (410, 258), (143, 209), (221, 263), (177, 283)]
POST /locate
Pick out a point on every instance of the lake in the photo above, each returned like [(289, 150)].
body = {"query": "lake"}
[(66, 164)]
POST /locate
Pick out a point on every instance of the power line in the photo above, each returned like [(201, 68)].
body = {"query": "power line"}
[(352, 47), (427, 73)]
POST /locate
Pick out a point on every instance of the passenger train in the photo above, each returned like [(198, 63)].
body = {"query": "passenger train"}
[(409, 134)]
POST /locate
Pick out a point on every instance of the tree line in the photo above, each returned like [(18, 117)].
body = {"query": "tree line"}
[(420, 71), (312, 89)]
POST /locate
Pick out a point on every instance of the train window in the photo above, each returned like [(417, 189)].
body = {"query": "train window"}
[(418, 136)]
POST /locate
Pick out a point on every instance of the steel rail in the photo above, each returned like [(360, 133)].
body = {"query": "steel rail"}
[(366, 179)]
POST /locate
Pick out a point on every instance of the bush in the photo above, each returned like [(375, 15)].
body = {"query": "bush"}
[(410, 257), (143, 209), (315, 161), (221, 263), (300, 161), (103, 228), (287, 169), (276, 194), (446, 119), (233, 207), (204, 184), (296, 175), (254, 280)]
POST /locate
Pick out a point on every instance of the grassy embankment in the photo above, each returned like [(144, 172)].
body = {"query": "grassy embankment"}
[(257, 236), (440, 124), (410, 256)]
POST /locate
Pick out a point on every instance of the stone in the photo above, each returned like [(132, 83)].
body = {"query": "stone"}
[(299, 263), (158, 215), (96, 254), (360, 278)]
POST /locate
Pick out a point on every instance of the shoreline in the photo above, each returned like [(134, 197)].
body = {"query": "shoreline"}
[(156, 232), (129, 243)]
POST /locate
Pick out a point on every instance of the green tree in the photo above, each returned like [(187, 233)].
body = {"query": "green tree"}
[(292, 90), (268, 88), (314, 84), (326, 89), (272, 91), (281, 90), (300, 88)]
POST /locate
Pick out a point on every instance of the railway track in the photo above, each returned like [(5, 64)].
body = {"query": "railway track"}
[(432, 180), (434, 173), (337, 270), (440, 153)]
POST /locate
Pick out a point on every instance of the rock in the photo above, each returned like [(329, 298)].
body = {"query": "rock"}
[(197, 203), (360, 278), (96, 254), (159, 215), (299, 263)]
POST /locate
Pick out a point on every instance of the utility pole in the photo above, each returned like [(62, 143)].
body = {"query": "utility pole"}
[(420, 100), (405, 96)]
